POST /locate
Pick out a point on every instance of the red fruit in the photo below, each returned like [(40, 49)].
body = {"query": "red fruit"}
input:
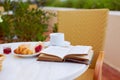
[(7, 50), (38, 48)]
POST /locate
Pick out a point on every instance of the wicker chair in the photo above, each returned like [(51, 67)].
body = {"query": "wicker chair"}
[(86, 27)]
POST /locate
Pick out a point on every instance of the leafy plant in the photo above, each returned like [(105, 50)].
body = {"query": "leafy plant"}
[(27, 25), (55, 28), (6, 28)]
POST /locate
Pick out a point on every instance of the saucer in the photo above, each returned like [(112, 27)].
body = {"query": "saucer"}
[(65, 43)]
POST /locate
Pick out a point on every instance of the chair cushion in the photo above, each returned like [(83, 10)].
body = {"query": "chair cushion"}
[(88, 75)]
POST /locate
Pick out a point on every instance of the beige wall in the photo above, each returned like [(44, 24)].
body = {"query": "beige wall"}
[(112, 43)]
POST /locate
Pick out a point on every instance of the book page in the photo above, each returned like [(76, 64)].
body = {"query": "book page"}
[(80, 49), (63, 51), (57, 51), (44, 57), (85, 59)]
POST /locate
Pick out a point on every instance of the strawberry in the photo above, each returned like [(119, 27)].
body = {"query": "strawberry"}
[(38, 48)]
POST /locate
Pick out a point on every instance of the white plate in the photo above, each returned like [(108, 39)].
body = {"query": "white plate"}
[(29, 55), (23, 55)]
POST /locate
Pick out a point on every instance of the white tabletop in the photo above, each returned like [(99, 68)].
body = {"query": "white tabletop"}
[(16, 68)]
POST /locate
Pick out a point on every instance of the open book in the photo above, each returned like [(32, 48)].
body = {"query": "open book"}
[(78, 54)]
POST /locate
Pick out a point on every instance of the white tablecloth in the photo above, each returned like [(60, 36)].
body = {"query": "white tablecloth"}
[(16, 68)]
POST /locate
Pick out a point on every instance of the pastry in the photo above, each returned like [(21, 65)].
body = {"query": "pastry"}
[(28, 49)]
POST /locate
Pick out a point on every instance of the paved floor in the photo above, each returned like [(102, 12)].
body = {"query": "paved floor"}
[(110, 73)]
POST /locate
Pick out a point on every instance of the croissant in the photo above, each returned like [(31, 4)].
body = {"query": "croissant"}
[(16, 51), (23, 49)]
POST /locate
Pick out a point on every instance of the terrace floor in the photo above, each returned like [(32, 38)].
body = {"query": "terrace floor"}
[(110, 73)]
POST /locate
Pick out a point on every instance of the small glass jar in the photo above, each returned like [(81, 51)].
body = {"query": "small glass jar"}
[(7, 49)]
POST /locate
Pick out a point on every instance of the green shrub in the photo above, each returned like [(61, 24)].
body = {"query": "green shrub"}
[(6, 28), (27, 25), (85, 4)]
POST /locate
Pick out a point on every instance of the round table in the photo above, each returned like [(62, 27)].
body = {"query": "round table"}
[(17, 68)]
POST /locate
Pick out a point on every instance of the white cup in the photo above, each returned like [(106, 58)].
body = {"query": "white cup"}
[(57, 39)]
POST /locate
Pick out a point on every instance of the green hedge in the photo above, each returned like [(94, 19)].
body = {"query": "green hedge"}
[(85, 4)]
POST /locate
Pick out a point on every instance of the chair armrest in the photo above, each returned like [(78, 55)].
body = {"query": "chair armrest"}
[(98, 66)]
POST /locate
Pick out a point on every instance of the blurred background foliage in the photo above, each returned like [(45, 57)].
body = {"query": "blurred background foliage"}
[(25, 23), (21, 23), (82, 4), (85, 4)]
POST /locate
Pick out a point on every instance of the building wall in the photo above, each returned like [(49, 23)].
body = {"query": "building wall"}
[(112, 43)]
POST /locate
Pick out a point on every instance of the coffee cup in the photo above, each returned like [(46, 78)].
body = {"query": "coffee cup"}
[(57, 39)]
